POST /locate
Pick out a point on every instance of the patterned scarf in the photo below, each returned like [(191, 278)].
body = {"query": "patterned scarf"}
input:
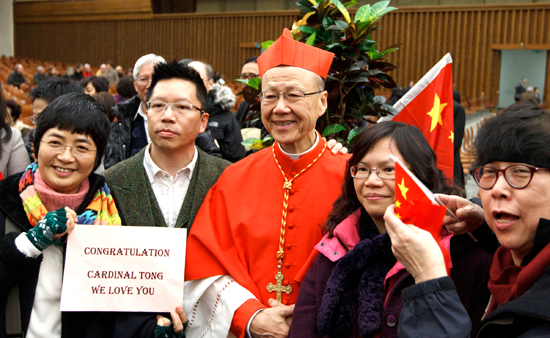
[(101, 210)]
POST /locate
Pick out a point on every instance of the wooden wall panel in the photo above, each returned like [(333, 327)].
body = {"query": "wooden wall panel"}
[(472, 34)]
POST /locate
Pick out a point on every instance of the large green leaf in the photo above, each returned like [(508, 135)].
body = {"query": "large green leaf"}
[(311, 39), (363, 15), (381, 8), (327, 22), (342, 10), (255, 83), (307, 29), (350, 3), (341, 24), (333, 129), (352, 133), (267, 44), (305, 6)]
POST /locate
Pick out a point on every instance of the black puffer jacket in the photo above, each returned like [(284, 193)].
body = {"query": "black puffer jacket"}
[(118, 147), (223, 123)]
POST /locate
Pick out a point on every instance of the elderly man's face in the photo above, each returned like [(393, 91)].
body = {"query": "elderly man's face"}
[(143, 81), (19, 69), (103, 68), (292, 124)]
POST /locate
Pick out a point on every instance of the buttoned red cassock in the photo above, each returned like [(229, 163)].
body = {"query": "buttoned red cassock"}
[(237, 229)]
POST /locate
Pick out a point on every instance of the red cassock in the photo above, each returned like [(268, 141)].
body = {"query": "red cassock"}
[(237, 230)]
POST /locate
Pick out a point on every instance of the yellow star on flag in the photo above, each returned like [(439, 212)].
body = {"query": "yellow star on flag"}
[(403, 188), (397, 204), (452, 137), (435, 113), (398, 216)]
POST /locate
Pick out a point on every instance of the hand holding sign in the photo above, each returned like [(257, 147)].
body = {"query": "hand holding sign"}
[(124, 268), (172, 328)]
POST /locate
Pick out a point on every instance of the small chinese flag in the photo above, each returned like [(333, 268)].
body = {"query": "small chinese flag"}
[(429, 106), (415, 204)]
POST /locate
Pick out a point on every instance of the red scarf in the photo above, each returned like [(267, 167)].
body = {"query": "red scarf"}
[(508, 281)]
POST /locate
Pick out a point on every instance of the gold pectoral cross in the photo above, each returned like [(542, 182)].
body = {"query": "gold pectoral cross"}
[(279, 288)]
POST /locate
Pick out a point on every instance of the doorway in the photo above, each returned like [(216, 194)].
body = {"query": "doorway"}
[(516, 65)]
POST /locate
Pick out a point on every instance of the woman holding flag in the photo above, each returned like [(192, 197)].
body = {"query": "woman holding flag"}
[(513, 175), (354, 287)]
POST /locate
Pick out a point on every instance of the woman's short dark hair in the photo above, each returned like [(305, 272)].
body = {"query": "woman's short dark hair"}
[(76, 113), (125, 87), (521, 133), (411, 145), (15, 109), (99, 83)]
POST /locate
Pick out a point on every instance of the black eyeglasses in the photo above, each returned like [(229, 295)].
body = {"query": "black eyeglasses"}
[(385, 173), (518, 176)]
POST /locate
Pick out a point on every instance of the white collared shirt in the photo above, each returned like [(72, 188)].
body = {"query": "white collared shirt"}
[(142, 113), (169, 191), (294, 157)]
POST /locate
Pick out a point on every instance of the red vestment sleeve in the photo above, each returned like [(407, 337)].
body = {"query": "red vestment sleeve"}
[(242, 316)]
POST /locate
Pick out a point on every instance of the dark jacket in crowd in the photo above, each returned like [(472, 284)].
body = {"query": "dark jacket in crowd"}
[(222, 123), (16, 79), (433, 309), (119, 146), (459, 125), (38, 77), (529, 97), (520, 89), (470, 271)]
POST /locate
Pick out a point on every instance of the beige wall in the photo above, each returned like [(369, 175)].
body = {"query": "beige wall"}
[(6, 27), (267, 5)]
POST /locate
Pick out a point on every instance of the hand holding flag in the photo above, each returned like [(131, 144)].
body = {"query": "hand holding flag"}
[(416, 204)]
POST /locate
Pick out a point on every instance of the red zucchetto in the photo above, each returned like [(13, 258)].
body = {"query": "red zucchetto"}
[(288, 52)]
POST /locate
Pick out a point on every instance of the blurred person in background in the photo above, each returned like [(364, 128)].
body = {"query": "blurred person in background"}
[(95, 84), (16, 78), (110, 74), (119, 72), (125, 89), (14, 112), (53, 72), (108, 101), (13, 156), (222, 122), (87, 70), (40, 75)]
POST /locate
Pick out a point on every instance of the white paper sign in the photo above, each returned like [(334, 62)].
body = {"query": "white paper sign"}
[(124, 268)]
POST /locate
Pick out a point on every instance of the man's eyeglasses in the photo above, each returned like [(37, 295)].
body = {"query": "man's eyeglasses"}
[(292, 96), (248, 76), (181, 108), (517, 175), (385, 173), (144, 81), (57, 147)]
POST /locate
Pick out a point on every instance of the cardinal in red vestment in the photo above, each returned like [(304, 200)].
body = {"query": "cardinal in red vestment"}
[(257, 227)]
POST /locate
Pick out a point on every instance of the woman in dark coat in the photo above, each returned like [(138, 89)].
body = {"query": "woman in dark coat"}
[(513, 175), (354, 286)]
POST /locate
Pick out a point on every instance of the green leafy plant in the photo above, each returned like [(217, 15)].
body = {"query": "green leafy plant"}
[(358, 67)]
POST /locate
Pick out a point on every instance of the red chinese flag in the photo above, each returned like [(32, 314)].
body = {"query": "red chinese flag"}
[(415, 204), (429, 106), (1, 176)]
